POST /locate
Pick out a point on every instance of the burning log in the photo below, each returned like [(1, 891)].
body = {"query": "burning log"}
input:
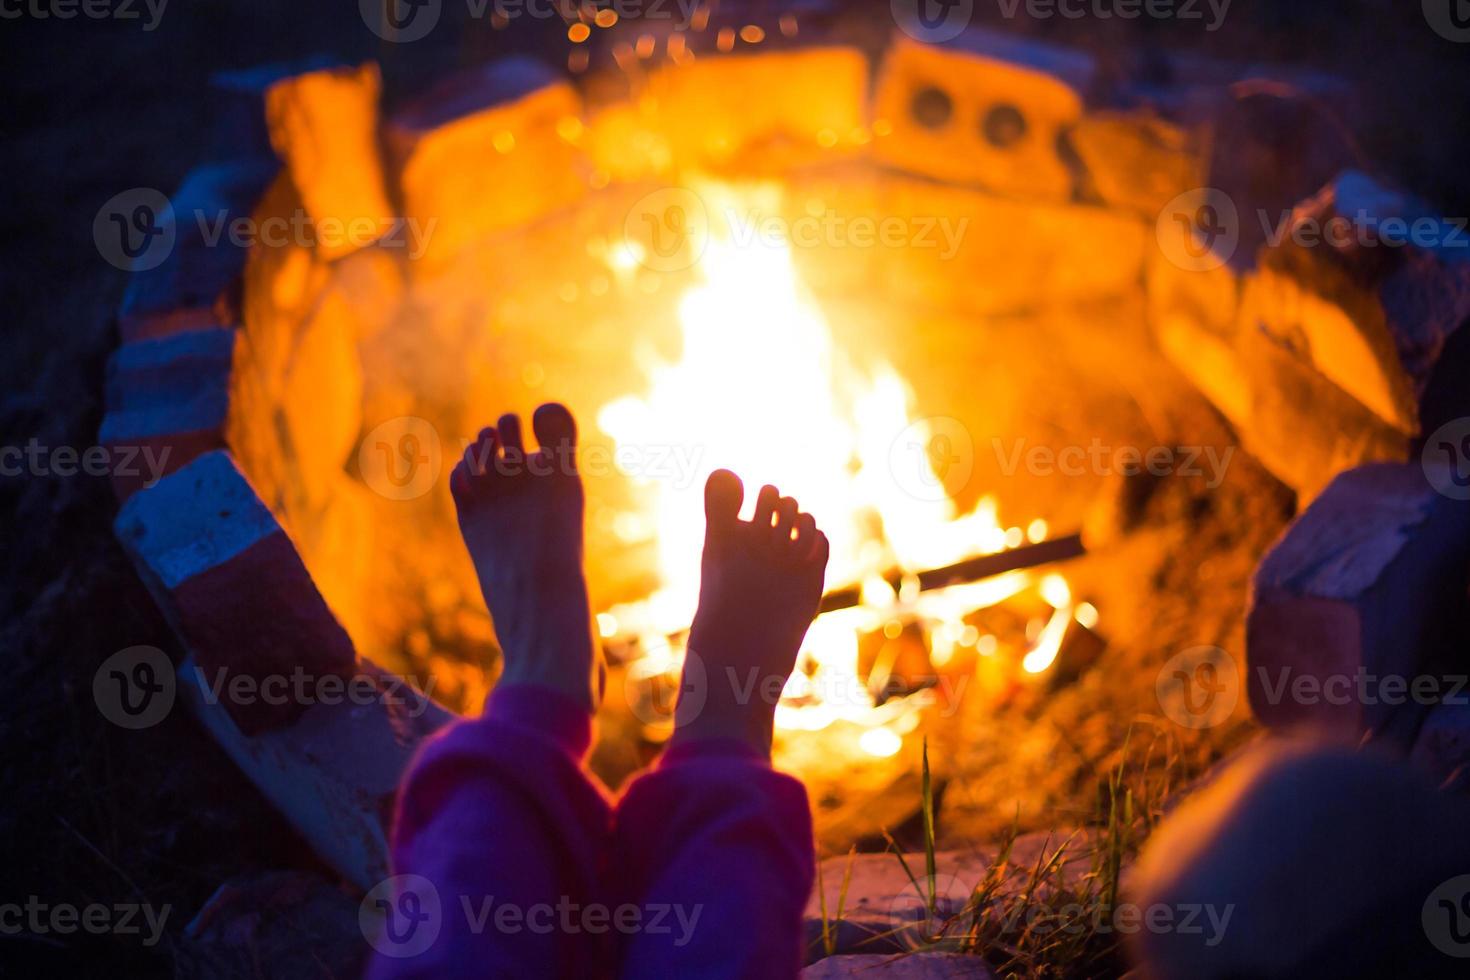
[(969, 570)]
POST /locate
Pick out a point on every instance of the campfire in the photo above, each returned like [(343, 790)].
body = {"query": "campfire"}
[(761, 386)]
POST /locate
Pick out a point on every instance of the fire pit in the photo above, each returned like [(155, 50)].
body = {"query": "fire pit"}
[(953, 309)]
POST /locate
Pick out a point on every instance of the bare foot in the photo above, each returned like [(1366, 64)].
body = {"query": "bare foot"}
[(520, 515), (760, 586)]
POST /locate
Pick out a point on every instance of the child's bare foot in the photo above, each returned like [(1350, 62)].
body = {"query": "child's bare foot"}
[(760, 586), (521, 517)]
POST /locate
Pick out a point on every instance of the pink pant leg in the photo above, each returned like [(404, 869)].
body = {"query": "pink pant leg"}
[(719, 844), (500, 819)]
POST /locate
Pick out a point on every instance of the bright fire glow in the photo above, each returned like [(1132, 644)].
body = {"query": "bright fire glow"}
[(761, 389)]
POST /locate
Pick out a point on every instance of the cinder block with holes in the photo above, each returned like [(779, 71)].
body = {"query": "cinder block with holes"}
[(982, 109)]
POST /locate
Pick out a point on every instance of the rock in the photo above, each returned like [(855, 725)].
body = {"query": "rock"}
[(1303, 861), (167, 401), (334, 771), (763, 112), (238, 114), (294, 925), (321, 404), (1212, 363), (904, 966), (485, 152), (196, 286), (1272, 145), (324, 125), (970, 251), (984, 109), (1442, 747), (1289, 415), (230, 582), (1305, 429), (1362, 603), (1375, 318), (882, 910), (1136, 161), (284, 286), (340, 543)]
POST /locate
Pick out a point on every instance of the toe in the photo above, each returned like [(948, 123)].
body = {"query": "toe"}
[(509, 427), (723, 494), (806, 529), (481, 453), (554, 426), (821, 550), (785, 523), (459, 480), (765, 507)]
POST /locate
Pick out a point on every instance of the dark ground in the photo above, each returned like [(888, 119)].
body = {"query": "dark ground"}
[(92, 813)]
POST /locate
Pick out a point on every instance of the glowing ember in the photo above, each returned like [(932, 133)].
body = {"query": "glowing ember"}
[(761, 389)]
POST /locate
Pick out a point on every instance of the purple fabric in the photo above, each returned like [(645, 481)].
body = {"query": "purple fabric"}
[(702, 869)]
